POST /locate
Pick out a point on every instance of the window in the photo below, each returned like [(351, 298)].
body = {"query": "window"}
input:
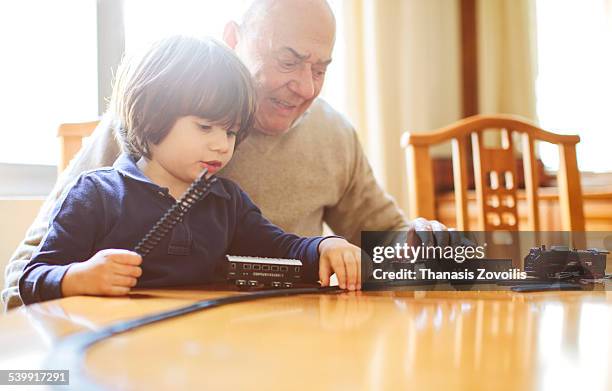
[(147, 21), (48, 74), (49, 70), (574, 85), (335, 87)]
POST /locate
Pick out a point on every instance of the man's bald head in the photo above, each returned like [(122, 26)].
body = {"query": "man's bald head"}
[(262, 13), (287, 46)]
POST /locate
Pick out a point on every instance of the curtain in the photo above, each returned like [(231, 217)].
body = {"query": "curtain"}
[(402, 74), (507, 60), (403, 71)]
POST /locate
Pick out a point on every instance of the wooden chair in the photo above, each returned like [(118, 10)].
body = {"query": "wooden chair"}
[(494, 172), (71, 140)]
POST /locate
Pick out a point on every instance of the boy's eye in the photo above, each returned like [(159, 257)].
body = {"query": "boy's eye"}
[(205, 127)]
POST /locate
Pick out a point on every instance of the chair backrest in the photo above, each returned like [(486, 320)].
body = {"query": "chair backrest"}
[(71, 140), (494, 173)]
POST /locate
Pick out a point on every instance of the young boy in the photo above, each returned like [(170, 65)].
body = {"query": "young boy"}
[(182, 106)]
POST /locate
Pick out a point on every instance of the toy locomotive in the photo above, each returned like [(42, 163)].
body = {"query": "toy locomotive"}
[(559, 262), (268, 272)]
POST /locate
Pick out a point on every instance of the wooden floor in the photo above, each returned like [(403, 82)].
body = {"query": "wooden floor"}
[(360, 341)]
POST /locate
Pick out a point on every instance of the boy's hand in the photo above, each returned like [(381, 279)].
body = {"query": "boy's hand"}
[(339, 256), (109, 272)]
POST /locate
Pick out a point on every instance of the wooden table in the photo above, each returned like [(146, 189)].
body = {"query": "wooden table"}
[(401, 339)]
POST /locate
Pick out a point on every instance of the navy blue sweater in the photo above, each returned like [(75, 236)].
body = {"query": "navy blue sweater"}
[(115, 207)]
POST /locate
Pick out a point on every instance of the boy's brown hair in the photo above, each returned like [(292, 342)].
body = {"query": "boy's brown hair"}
[(180, 76)]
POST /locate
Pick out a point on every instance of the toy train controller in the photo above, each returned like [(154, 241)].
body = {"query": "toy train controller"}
[(263, 272), (559, 262)]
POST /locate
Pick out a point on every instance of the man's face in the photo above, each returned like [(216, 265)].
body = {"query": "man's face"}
[(288, 60)]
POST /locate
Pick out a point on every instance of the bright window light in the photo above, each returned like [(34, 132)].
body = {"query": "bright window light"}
[(49, 71), (574, 85), (147, 21), (48, 74)]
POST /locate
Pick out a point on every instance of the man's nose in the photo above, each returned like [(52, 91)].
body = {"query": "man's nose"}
[(303, 84)]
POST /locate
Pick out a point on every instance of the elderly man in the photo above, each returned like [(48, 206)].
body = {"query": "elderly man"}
[(302, 164)]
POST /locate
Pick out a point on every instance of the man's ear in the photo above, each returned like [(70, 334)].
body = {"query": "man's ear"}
[(231, 34)]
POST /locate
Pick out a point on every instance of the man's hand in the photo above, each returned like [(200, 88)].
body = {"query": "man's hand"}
[(430, 233), (109, 272), (340, 257)]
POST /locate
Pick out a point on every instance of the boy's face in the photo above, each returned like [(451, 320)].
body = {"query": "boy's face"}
[(193, 144)]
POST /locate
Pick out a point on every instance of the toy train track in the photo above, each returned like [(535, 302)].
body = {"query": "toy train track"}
[(69, 352)]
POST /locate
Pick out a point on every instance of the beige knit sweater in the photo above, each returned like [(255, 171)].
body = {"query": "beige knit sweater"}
[(316, 172)]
